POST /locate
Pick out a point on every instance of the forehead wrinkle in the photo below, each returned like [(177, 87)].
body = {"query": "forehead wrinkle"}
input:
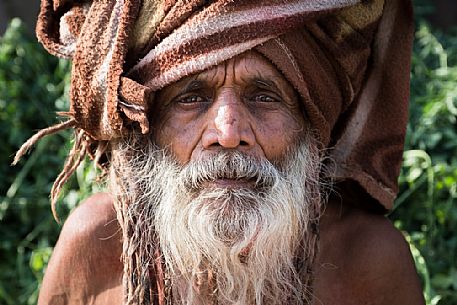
[(211, 77), (261, 71)]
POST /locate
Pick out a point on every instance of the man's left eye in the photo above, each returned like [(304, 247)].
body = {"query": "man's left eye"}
[(262, 98)]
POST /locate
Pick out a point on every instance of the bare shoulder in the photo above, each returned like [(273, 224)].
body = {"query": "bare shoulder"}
[(365, 260), (94, 215), (85, 266)]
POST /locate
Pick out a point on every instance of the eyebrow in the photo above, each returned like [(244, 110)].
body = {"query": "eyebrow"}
[(181, 87), (192, 85), (266, 83), (261, 82), (276, 84)]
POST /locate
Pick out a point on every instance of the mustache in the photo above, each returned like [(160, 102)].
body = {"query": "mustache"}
[(233, 165)]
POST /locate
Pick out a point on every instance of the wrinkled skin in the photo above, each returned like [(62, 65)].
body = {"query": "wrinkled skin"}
[(243, 104)]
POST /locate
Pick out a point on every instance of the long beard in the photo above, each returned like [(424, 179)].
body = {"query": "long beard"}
[(248, 244)]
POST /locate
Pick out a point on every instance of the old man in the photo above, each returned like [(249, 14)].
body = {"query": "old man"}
[(251, 148)]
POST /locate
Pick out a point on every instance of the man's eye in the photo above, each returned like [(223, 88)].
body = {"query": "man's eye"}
[(262, 98), (191, 99)]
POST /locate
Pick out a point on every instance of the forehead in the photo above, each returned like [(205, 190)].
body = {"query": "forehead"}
[(248, 64), (244, 69)]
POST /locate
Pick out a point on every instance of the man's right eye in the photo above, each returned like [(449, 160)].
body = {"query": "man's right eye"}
[(192, 99)]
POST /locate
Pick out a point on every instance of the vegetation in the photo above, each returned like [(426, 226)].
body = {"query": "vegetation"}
[(426, 208), (34, 84)]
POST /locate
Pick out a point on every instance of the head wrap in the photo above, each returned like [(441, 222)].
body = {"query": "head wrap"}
[(347, 59)]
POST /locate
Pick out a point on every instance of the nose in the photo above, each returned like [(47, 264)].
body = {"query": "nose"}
[(229, 125)]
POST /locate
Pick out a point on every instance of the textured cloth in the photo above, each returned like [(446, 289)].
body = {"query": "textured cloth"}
[(348, 60)]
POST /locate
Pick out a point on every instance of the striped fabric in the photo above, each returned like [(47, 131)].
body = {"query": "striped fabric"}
[(348, 60)]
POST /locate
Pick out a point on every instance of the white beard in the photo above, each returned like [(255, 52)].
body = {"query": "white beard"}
[(224, 245)]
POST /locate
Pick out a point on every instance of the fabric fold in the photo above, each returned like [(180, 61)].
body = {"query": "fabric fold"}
[(338, 54)]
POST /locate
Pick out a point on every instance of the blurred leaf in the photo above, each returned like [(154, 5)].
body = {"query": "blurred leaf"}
[(33, 86), (426, 206)]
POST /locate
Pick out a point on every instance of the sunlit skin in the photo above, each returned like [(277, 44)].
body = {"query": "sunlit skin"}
[(243, 104)]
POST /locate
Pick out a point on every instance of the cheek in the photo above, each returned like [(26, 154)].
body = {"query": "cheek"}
[(278, 132), (179, 135)]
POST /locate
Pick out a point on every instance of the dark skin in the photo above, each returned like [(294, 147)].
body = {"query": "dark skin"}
[(242, 104), (363, 259)]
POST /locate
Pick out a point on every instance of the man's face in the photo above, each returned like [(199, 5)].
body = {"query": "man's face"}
[(242, 104), (226, 187)]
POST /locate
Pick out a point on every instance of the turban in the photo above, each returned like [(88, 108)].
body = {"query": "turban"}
[(347, 59)]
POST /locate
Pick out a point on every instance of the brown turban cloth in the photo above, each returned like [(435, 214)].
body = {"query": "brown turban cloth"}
[(348, 60)]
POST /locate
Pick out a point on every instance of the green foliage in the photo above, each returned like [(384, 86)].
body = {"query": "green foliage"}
[(33, 84), (426, 207)]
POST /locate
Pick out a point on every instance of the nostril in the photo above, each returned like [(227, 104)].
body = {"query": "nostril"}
[(215, 144), (244, 143)]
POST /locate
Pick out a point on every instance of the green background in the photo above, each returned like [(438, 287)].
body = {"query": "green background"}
[(34, 85)]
